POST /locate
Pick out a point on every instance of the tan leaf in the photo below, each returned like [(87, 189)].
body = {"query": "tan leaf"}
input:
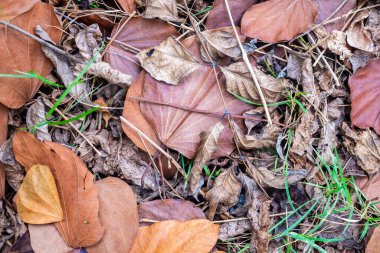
[(10, 9), (207, 146), (46, 239), (359, 36), (225, 191), (374, 242), (169, 62), (118, 214), (239, 82), (176, 237), (78, 194), (370, 187), (37, 199), (127, 5), (278, 20), (162, 9)]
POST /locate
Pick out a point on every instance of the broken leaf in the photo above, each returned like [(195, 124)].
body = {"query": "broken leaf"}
[(162, 9), (46, 239), (278, 20), (37, 199), (176, 237)]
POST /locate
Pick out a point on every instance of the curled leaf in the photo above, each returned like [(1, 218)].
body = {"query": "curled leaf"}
[(359, 36)]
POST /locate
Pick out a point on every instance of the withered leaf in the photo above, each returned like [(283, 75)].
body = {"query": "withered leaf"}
[(176, 237), (46, 239), (36, 115), (370, 187), (13, 170), (10, 9), (359, 36), (278, 20), (81, 226), (259, 216), (207, 146), (374, 242), (233, 228), (163, 61), (3, 137), (365, 92), (37, 199), (162, 9)]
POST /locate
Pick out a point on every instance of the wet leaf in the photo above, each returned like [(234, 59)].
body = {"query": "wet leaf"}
[(10, 9), (22, 245), (278, 20), (78, 194), (207, 146), (365, 91), (37, 199), (374, 242), (176, 237), (163, 61), (46, 239), (162, 9)]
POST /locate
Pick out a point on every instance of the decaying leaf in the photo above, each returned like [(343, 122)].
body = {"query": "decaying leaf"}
[(163, 61), (365, 92), (36, 115), (207, 146), (225, 192), (13, 170), (359, 36), (277, 20), (118, 214), (22, 245), (374, 243), (364, 145), (37, 199), (24, 54), (176, 237), (336, 41), (239, 82), (162, 9), (81, 226), (360, 59), (46, 239), (233, 228), (250, 191)]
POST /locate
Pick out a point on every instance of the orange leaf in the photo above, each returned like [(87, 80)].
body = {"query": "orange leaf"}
[(10, 9), (37, 199), (278, 20), (176, 237)]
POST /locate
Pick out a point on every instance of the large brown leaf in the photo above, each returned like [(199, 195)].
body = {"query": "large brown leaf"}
[(134, 34), (78, 194), (24, 54), (176, 237), (9, 9), (279, 20), (365, 92)]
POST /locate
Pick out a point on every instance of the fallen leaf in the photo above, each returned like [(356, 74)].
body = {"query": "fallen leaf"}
[(13, 170), (233, 228), (163, 61), (239, 82), (35, 116), (169, 209), (207, 146), (373, 244), (336, 42), (278, 20), (78, 194), (251, 190), (365, 91), (128, 5), (22, 245), (259, 216), (37, 199), (162, 9), (370, 187), (225, 192), (360, 59), (46, 239), (11, 226), (18, 50), (10, 9), (358, 35), (176, 237), (118, 214), (3, 137)]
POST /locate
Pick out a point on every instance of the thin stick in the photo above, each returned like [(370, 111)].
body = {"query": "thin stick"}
[(246, 61)]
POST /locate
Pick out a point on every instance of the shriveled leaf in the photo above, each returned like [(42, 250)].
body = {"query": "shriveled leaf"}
[(374, 242), (10, 9), (81, 226), (13, 170), (162, 9), (207, 146), (365, 92), (128, 5), (22, 245), (359, 36), (176, 237), (105, 71), (251, 191), (169, 62), (36, 115), (239, 82), (278, 20), (118, 214), (46, 239), (169, 209), (24, 54), (37, 199), (259, 216), (233, 228)]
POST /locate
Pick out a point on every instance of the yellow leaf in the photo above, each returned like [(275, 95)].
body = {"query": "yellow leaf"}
[(37, 199)]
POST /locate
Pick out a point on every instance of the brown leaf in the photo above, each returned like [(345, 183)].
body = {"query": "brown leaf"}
[(118, 214), (176, 237), (127, 5), (36, 115), (78, 194), (365, 92), (22, 245), (169, 62), (169, 209), (37, 199), (10, 9), (259, 216), (46, 239), (233, 228), (370, 187), (279, 20), (162, 9), (3, 138), (24, 54), (358, 35), (239, 82), (207, 146), (132, 32), (13, 170), (374, 242)]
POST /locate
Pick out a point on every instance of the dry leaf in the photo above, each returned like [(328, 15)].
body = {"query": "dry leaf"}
[(259, 216), (207, 146), (358, 35), (105, 71), (233, 228), (251, 191), (118, 214), (13, 170), (128, 5), (169, 62), (162, 9), (336, 41), (22, 245), (3, 138), (37, 199), (78, 194), (365, 92), (225, 191), (24, 54), (370, 187), (176, 237), (239, 82), (46, 239), (278, 20), (36, 115), (10, 9), (374, 242)]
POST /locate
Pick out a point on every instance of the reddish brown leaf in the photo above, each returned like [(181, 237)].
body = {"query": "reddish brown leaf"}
[(3, 138), (279, 20), (370, 187), (127, 5), (134, 35), (24, 54), (10, 9), (365, 92), (374, 243), (78, 194)]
